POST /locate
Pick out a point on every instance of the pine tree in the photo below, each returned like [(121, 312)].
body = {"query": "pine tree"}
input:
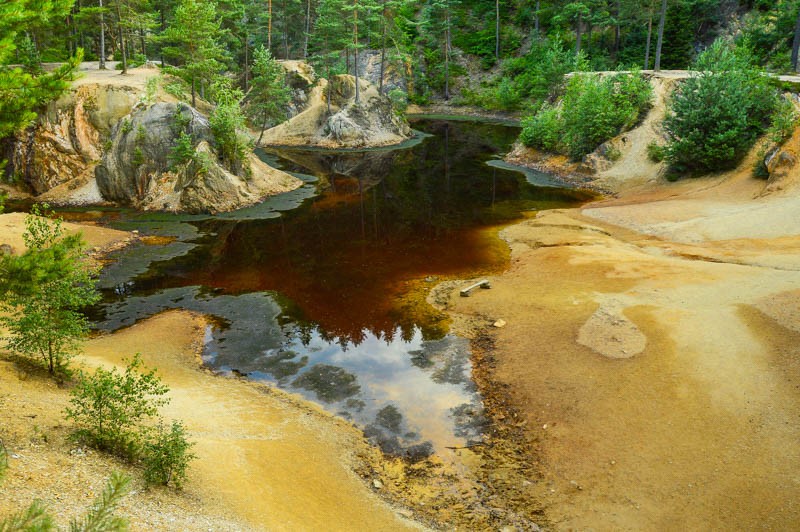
[(194, 37), (269, 94), (23, 92)]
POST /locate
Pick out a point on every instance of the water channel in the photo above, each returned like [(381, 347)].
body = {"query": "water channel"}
[(310, 290)]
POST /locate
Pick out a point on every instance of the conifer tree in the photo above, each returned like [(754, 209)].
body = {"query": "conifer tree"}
[(194, 37)]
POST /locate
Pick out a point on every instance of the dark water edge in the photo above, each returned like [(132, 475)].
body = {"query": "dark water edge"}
[(307, 289)]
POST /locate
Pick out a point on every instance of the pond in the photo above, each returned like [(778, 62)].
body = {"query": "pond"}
[(318, 290)]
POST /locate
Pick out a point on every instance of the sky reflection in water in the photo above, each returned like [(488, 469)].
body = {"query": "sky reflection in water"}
[(309, 300)]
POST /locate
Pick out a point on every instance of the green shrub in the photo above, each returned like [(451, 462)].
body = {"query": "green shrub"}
[(655, 152), (150, 89), (715, 116), (783, 122), (118, 413), (177, 88), (544, 129), (127, 126), (112, 410), (399, 100), (167, 456), (592, 110)]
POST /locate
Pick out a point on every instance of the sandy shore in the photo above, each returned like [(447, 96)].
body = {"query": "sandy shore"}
[(266, 460), (652, 351)]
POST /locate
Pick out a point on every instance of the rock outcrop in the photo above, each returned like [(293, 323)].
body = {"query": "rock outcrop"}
[(68, 139), (370, 122), (106, 141), (139, 169)]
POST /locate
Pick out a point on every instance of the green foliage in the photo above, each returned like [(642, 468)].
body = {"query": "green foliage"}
[(177, 88), (399, 99), (592, 110), (783, 122), (269, 94), (43, 291), (3, 460), (112, 409), (127, 126), (194, 41), (227, 121), (543, 129), (118, 413), (532, 78), (35, 518), (167, 455), (100, 517), (150, 90), (656, 152), (24, 90), (715, 116)]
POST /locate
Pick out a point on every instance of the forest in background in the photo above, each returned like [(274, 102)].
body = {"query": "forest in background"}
[(501, 55), (509, 45)]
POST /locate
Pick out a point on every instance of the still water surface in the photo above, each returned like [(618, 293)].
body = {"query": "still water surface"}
[(309, 290)]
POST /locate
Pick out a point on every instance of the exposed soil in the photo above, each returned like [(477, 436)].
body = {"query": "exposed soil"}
[(650, 355)]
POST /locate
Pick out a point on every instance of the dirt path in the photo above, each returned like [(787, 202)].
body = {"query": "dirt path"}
[(655, 361)]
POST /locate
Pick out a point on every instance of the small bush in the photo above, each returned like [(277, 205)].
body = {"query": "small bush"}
[(399, 100), (150, 89), (118, 413), (783, 122), (543, 130), (655, 152), (167, 456), (127, 126), (593, 110), (112, 409)]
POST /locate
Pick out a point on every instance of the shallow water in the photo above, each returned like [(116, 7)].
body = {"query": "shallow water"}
[(310, 290)]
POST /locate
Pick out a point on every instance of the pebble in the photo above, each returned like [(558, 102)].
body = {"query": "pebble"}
[(377, 484), (500, 323)]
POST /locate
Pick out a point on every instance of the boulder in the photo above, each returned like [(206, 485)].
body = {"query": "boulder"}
[(139, 169)]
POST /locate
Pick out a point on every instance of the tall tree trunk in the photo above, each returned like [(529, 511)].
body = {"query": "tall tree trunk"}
[(269, 25), (285, 31), (121, 40), (141, 38), (163, 27), (578, 34), (355, 47), (383, 47), (536, 18), (263, 128), (194, 94), (649, 36), (796, 42), (102, 65), (660, 41), (497, 30), (617, 30), (247, 64), (308, 29), (447, 51)]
